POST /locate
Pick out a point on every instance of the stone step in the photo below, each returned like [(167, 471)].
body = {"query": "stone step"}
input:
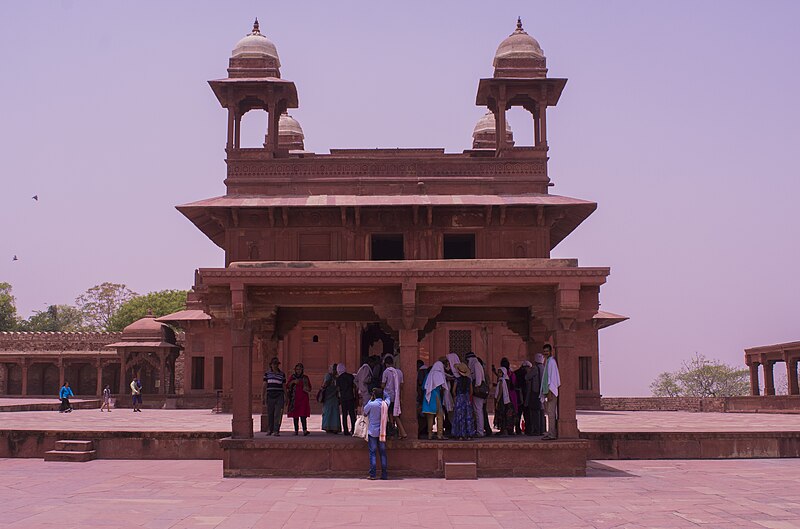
[(70, 455), (74, 446), (460, 471)]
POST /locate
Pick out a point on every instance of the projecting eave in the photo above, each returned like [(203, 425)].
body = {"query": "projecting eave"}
[(488, 89), (284, 87), (604, 319), (212, 215)]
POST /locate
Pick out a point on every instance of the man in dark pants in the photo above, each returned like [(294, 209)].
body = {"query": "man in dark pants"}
[(376, 418), (274, 381)]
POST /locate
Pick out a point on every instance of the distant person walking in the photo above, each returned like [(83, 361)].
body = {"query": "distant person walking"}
[(274, 382), (64, 394), (480, 390), (377, 413), (106, 399), (551, 380), (136, 394)]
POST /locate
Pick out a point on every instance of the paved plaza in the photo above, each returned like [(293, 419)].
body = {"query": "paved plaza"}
[(123, 419), (105, 494)]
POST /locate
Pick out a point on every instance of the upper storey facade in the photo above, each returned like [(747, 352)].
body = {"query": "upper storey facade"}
[(489, 201)]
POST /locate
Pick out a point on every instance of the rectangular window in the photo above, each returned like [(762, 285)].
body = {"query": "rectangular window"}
[(217, 372), (387, 248), (585, 372), (198, 372), (460, 342), (459, 246)]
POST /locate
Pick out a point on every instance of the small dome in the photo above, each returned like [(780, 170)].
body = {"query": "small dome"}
[(148, 324), (255, 45), (287, 125), (484, 135), (487, 124), (290, 134), (519, 45)]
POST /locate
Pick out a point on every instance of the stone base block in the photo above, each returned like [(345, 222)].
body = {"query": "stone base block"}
[(460, 471)]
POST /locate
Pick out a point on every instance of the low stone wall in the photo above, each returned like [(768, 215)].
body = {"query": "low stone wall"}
[(662, 404), (116, 445), (692, 445), (749, 404)]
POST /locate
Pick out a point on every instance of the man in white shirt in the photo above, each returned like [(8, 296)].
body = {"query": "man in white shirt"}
[(551, 381)]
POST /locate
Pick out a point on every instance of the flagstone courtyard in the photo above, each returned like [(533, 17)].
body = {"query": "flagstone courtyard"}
[(106, 494)]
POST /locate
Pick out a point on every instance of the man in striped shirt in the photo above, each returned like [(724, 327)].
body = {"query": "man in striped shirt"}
[(274, 381)]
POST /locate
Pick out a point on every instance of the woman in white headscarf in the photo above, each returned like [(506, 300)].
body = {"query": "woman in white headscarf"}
[(503, 408), (435, 387)]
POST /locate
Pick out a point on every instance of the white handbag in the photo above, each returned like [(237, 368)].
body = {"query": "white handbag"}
[(361, 428)]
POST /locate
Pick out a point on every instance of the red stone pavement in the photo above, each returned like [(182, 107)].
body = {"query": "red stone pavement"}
[(104, 494), (122, 419)]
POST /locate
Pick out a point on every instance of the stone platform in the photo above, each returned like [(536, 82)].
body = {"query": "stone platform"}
[(339, 456), (197, 434)]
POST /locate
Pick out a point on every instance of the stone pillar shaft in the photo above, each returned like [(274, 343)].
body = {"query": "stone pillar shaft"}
[(791, 376), (25, 377), (409, 353), (754, 385), (769, 380), (242, 359)]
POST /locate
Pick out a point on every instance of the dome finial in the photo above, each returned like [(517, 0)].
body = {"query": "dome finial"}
[(256, 30), (519, 24)]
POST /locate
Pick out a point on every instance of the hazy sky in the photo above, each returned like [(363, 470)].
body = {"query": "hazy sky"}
[(681, 119)]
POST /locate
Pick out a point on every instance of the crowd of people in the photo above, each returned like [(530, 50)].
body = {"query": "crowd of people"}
[(452, 393), (452, 397)]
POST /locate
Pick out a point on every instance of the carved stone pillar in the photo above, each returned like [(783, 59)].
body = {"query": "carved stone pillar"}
[(409, 353), (769, 380), (242, 365), (99, 385), (242, 358), (791, 375), (61, 370), (754, 385), (162, 372), (24, 365), (567, 308)]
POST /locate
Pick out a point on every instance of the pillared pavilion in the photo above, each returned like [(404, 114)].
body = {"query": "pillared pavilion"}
[(332, 257)]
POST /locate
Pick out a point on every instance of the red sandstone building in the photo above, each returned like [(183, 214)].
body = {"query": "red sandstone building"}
[(331, 257)]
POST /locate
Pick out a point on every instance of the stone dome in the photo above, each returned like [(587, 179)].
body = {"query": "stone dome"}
[(148, 329), (288, 125), (484, 135), (290, 133), (519, 45), (255, 46)]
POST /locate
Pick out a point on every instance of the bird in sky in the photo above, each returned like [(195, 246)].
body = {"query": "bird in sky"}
[(35, 197), (15, 258)]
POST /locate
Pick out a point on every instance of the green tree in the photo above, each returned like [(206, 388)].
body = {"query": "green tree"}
[(701, 377), (99, 303), (160, 303), (60, 318), (665, 385), (8, 308)]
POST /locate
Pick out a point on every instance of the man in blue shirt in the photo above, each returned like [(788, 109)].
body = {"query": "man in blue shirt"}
[(64, 394), (373, 411)]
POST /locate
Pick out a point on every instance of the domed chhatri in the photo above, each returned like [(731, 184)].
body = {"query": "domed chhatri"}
[(290, 133), (255, 56), (255, 45), (484, 135), (519, 55)]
